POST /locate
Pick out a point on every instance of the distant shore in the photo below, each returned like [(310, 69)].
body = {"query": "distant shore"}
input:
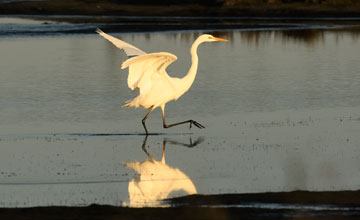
[(107, 7), (114, 17), (88, 23)]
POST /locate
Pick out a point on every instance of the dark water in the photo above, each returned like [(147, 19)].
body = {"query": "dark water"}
[(281, 109)]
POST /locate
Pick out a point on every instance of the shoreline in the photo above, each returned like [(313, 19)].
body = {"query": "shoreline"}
[(280, 205), (87, 23), (115, 17), (81, 7)]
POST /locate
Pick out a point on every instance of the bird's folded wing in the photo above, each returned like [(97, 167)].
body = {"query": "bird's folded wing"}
[(129, 49), (146, 68)]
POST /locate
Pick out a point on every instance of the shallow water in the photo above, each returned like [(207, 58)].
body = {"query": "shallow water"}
[(281, 110)]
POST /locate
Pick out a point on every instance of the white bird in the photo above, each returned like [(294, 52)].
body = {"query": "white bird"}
[(155, 180), (147, 72)]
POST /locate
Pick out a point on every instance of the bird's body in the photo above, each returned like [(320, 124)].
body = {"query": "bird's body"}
[(147, 72), (156, 89), (156, 180)]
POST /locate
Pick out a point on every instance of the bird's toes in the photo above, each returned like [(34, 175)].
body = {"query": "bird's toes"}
[(197, 124)]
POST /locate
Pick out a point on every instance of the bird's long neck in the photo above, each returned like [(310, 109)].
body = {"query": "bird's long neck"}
[(189, 78)]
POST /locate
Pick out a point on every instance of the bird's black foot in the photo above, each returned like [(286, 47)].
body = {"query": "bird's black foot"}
[(191, 144), (196, 142), (197, 124)]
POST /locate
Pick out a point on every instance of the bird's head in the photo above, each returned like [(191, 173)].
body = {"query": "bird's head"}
[(210, 38)]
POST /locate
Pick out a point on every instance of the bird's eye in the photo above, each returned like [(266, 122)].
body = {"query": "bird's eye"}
[(210, 38)]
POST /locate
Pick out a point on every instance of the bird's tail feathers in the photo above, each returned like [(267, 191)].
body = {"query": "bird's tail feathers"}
[(131, 103)]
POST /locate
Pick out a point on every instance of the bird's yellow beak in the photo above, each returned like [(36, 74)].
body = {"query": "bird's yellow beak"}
[(220, 39)]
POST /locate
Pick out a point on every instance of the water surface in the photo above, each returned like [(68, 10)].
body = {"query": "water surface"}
[(281, 109)]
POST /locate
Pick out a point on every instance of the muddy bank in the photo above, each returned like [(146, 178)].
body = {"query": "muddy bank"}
[(284, 205), (80, 7), (69, 24), (300, 198), (106, 212), (116, 17)]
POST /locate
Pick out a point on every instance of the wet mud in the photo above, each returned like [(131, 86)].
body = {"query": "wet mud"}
[(284, 205)]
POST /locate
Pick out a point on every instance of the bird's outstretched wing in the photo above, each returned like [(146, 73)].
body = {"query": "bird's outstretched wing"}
[(129, 49), (146, 68)]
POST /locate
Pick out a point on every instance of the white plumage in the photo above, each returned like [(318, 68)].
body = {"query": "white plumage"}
[(145, 69), (129, 49), (147, 72), (155, 180)]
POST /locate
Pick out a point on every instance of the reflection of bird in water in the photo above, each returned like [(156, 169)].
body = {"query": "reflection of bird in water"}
[(156, 181), (147, 72)]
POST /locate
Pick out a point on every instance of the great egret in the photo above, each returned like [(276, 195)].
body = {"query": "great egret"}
[(147, 72), (155, 180)]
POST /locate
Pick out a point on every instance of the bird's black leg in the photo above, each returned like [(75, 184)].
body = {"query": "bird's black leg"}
[(144, 149), (144, 119), (191, 122)]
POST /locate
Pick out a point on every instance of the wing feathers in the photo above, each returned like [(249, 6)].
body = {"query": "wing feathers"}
[(129, 49), (143, 69), (166, 57)]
